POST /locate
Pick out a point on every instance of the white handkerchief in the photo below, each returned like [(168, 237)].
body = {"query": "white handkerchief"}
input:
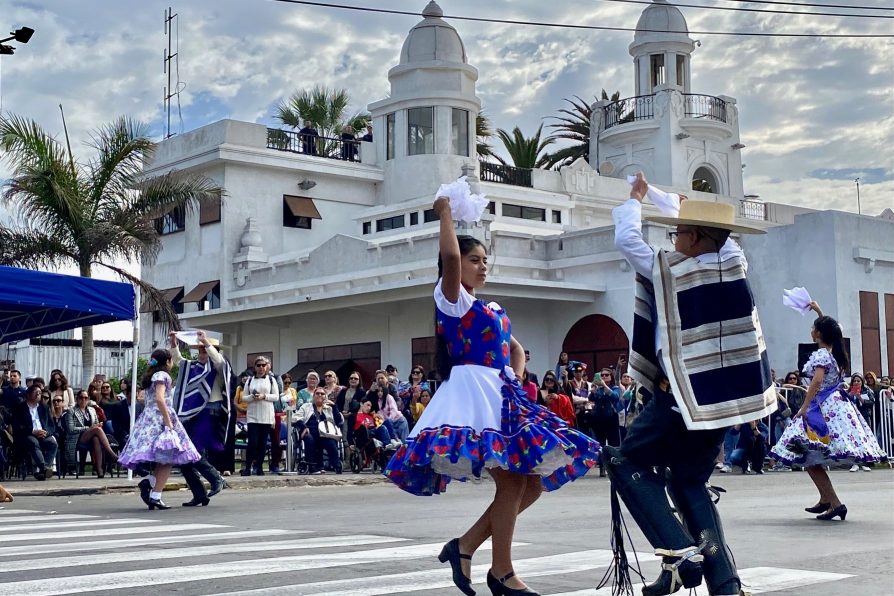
[(798, 299), (667, 202), (464, 206), (190, 336)]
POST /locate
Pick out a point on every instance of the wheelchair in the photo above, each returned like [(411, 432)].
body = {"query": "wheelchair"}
[(366, 452), (302, 461)]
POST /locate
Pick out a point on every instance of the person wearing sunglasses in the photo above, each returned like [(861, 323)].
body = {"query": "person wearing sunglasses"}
[(260, 391)]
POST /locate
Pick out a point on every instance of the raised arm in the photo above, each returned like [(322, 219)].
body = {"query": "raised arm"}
[(629, 230), (451, 274)]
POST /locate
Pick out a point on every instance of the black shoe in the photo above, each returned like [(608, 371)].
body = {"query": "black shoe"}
[(499, 588), (840, 511), (675, 574), (276, 471), (451, 553), (145, 489), (259, 472), (217, 487), (157, 504), (40, 474), (245, 472), (818, 508), (197, 502)]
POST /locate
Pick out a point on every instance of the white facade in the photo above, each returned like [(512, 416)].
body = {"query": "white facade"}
[(352, 284)]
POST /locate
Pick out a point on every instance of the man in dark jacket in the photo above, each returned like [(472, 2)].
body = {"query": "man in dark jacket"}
[(33, 429)]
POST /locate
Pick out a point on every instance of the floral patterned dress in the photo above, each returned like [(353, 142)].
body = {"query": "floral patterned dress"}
[(481, 417), (149, 442), (832, 430)]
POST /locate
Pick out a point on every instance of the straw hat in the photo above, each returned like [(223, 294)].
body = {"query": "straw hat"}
[(708, 214)]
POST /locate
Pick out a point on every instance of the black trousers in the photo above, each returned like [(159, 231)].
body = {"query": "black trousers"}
[(193, 473), (256, 447), (658, 439)]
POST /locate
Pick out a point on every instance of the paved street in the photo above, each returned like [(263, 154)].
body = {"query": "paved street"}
[(366, 540)]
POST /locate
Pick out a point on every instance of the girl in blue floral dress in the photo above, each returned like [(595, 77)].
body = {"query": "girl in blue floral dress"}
[(158, 435), (828, 428), (481, 419)]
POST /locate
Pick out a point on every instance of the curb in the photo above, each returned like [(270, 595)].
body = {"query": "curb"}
[(277, 482)]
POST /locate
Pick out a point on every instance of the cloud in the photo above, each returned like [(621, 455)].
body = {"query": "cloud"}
[(867, 176)]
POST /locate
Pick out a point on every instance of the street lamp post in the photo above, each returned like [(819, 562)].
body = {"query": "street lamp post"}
[(21, 35), (859, 210)]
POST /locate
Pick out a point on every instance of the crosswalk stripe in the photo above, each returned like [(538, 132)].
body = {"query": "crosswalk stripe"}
[(107, 532), (44, 517), (756, 580), (189, 573), (16, 511), (420, 581), (200, 551), (79, 524)]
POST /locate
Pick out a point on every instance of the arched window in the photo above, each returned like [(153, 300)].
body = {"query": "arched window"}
[(704, 180)]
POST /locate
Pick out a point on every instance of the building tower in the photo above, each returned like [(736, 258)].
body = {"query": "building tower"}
[(676, 137), (425, 129)]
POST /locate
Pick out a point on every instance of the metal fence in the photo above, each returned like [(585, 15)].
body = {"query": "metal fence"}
[(631, 109), (704, 106), (753, 209), (330, 148), (502, 174)]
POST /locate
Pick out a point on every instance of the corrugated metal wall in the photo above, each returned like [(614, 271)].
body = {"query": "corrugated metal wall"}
[(40, 360)]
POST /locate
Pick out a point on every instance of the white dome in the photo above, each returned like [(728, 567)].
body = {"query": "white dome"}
[(433, 39), (661, 16)]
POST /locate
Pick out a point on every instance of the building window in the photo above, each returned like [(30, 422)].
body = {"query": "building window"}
[(365, 358), (389, 136), (429, 215), (298, 212), (414, 218), (420, 131), (171, 222), (681, 68), (172, 296), (532, 213), (870, 331), (459, 136), (367, 227), (492, 208), (206, 295), (210, 212), (657, 69), (390, 223), (557, 217)]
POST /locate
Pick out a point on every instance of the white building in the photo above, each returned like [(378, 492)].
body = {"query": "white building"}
[(323, 257)]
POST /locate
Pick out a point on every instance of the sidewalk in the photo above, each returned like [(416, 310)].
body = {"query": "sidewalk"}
[(91, 485)]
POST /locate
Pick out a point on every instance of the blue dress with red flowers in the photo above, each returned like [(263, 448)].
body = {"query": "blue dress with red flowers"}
[(481, 417)]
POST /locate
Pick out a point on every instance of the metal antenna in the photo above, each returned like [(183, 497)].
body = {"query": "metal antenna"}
[(170, 92)]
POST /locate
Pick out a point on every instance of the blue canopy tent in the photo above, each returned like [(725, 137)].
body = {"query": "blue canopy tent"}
[(34, 303)]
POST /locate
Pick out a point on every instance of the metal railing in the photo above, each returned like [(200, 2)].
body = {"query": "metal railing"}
[(704, 106), (330, 148), (631, 109), (501, 174), (753, 209)]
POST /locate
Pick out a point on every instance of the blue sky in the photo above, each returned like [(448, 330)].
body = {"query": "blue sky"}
[(814, 113)]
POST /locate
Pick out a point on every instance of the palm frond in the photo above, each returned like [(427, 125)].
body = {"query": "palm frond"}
[(149, 295), (122, 147), (483, 132), (30, 248), (525, 152)]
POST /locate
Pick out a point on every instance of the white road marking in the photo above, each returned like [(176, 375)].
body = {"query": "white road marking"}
[(46, 536), (46, 517), (78, 524)]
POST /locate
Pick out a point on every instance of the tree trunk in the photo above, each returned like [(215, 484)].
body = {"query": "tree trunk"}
[(88, 353)]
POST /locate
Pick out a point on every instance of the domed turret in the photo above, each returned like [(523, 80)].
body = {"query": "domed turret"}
[(433, 39), (661, 48)]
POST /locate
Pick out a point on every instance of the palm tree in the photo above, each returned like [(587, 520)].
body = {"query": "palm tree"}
[(325, 108), (574, 125), (92, 213), (525, 152), (483, 131)]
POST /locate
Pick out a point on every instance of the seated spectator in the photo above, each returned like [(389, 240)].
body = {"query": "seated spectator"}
[(367, 421), (33, 431), (416, 379), (384, 403), (59, 413), (12, 393), (558, 403), (83, 422), (310, 417), (745, 444), (305, 396), (106, 397), (331, 385), (419, 399), (530, 387), (58, 386), (353, 392)]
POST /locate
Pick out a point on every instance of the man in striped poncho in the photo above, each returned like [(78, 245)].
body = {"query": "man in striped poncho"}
[(696, 331)]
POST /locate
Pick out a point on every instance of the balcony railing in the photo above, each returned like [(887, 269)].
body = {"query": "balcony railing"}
[(293, 142), (749, 209), (705, 106), (495, 172), (627, 110)]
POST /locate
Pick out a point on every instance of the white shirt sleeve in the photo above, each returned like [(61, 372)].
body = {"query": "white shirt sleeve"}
[(629, 237), (457, 309), (732, 249)]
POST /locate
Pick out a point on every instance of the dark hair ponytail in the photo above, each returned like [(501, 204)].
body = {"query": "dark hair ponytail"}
[(157, 362), (830, 331), (443, 362)]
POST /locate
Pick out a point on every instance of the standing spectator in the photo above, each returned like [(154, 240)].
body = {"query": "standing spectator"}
[(873, 385), (305, 396), (796, 392), (558, 403), (532, 376), (562, 373), (118, 413), (83, 422), (123, 389), (531, 389), (59, 386), (33, 430), (309, 138), (330, 384), (864, 399), (386, 405), (310, 416), (353, 392), (64, 447), (348, 143), (603, 417), (13, 392), (368, 137), (579, 391), (260, 392), (416, 379)]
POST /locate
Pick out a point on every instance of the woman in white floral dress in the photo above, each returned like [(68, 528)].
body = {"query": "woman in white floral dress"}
[(827, 428)]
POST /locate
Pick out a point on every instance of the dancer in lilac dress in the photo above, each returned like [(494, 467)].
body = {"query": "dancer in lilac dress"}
[(158, 436), (481, 419), (827, 428)]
